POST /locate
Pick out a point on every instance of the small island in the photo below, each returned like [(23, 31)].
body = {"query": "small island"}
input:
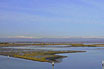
[(6, 44)]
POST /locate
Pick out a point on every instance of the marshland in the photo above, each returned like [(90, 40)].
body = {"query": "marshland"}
[(72, 55)]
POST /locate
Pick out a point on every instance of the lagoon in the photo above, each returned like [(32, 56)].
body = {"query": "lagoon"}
[(92, 59)]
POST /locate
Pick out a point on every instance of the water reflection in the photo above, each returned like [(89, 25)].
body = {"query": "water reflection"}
[(77, 60), (36, 55), (42, 56), (102, 64), (53, 65)]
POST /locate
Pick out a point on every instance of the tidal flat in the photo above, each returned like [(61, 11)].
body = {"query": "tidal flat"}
[(35, 55), (42, 44), (80, 57)]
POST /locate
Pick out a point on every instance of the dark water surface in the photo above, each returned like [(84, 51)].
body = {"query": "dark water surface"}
[(92, 59)]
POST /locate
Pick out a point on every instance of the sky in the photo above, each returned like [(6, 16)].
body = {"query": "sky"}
[(51, 18)]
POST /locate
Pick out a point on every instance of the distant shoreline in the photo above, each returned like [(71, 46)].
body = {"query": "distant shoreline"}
[(69, 44)]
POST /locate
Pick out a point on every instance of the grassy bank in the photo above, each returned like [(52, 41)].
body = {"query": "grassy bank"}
[(72, 45), (42, 56)]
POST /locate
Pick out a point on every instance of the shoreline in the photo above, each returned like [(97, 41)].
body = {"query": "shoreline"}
[(35, 55), (41, 56), (70, 44)]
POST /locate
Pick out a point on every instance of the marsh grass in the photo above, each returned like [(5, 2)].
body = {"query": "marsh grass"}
[(45, 44), (42, 56)]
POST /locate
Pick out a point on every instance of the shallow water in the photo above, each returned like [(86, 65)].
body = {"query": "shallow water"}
[(92, 59), (43, 47)]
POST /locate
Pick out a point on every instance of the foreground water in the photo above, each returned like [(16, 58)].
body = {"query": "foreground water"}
[(92, 59)]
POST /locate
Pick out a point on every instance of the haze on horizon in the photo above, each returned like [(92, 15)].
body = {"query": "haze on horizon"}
[(51, 18)]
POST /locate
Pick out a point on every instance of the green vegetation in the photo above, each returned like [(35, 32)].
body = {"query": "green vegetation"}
[(42, 56), (71, 45)]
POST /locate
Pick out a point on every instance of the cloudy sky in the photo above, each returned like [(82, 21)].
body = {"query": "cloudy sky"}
[(51, 18)]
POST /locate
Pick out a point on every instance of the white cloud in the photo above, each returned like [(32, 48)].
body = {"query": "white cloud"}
[(66, 13), (30, 37), (20, 37)]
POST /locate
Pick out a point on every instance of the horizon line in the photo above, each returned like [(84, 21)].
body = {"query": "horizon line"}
[(28, 37)]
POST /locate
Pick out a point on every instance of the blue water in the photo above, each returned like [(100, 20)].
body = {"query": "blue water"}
[(55, 40), (92, 59)]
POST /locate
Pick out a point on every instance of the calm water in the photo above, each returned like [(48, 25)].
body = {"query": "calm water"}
[(72, 40), (92, 59)]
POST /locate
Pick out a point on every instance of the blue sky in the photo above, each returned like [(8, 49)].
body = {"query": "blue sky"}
[(51, 18)]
